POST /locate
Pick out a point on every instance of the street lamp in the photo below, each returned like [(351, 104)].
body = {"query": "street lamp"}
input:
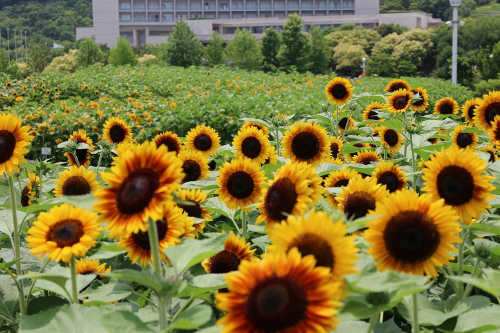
[(364, 64), (455, 4)]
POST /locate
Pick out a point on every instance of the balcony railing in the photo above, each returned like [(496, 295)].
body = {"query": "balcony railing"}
[(252, 6), (348, 5), (306, 6), (223, 7), (181, 6), (209, 7), (276, 6), (334, 6), (195, 6), (125, 18), (153, 18), (168, 19), (153, 7), (237, 6), (293, 6), (168, 6), (265, 6), (320, 5), (125, 6), (140, 19), (139, 6)]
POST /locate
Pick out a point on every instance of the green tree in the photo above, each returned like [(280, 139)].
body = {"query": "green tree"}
[(122, 54), (348, 58), (214, 51), (270, 50), (89, 53), (407, 68), (244, 50), (442, 9), (183, 48), (364, 37), (387, 29), (295, 46), (381, 65), (320, 53)]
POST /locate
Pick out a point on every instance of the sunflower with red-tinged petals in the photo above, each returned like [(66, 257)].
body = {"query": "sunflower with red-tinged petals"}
[(169, 139), (14, 139), (446, 105), (397, 84), (83, 155), (236, 250)]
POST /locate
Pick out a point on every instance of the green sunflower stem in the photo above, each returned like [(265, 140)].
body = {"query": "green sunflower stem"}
[(40, 176), (473, 274), (74, 290), (373, 322), (162, 313), (155, 249), (17, 243), (76, 158), (243, 222), (414, 317), (99, 163)]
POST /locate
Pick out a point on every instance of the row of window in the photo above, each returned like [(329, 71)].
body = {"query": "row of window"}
[(184, 16), (346, 4)]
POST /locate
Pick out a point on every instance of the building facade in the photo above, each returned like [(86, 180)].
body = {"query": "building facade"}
[(151, 21)]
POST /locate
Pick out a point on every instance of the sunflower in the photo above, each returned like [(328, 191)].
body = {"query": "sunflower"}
[(306, 143), (240, 183), (390, 175), (83, 155), (196, 198), (336, 145), (86, 266), (339, 91), (469, 109), (339, 178), (261, 127), (315, 182), (464, 140), (253, 144), (189, 228), (492, 151), (29, 191), (169, 139), (487, 110), (455, 175), (346, 123), (13, 142), (282, 293), (170, 227), (75, 181), (141, 181), (446, 105), (371, 113), (116, 131), (235, 251), (288, 193), (423, 104), (194, 166), (272, 158), (203, 139), (321, 236), (390, 139), (360, 196), (63, 232), (399, 101), (413, 234), (397, 84), (366, 157)]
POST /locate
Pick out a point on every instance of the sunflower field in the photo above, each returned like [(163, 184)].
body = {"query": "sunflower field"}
[(195, 201)]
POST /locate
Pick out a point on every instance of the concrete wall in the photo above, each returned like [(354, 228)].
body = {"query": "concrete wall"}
[(413, 20), (86, 32), (106, 21), (366, 7)]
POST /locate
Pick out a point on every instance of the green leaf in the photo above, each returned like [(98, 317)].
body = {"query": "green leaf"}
[(193, 251), (40, 304), (490, 284), (326, 168), (7, 222), (482, 320), (108, 250), (427, 151), (258, 121), (393, 124), (85, 201), (205, 184), (6, 265), (209, 282), (79, 318), (135, 276), (9, 296), (192, 318), (490, 229), (351, 327), (387, 327), (214, 205), (109, 292), (212, 329)]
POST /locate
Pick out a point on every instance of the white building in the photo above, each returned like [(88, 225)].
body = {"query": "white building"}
[(151, 21)]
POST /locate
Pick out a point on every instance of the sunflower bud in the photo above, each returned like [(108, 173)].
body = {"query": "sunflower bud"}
[(377, 299), (481, 251)]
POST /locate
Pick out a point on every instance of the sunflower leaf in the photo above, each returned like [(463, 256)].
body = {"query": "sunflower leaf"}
[(192, 318), (135, 276), (82, 201)]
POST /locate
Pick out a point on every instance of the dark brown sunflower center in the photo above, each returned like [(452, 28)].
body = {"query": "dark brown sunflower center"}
[(411, 237), (202, 142), (66, 232), (7, 145), (81, 155), (334, 150), (137, 190), (76, 185), (367, 159), (390, 180), (396, 87), (343, 123), (281, 198), (117, 133), (400, 102), (471, 111), (339, 91), (464, 140), (455, 185), (315, 245), (341, 182), (212, 165), (276, 303), (251, 147), (141, 239), (492, 156), (492, 110), (193, 210), (305, 145), (25, 199), (192, 170), (446, 108), (171, 144), (224, 262), (240, 185), (391, 137), (87, 272), (358, 204), (373, 115)]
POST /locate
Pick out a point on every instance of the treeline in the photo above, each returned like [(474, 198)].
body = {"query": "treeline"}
[(438, 8)]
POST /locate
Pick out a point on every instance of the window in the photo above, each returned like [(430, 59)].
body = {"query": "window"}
[(223, 6), (231, 30), (125, 17), (167, 18), (140, 17), (159, 33), (128, 36), (153, 5), (348, 4), (168, 6), (257, 30), (125, 6), (139, 5), (154, 18), (216, 29), (334, 4), (181, 6)]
